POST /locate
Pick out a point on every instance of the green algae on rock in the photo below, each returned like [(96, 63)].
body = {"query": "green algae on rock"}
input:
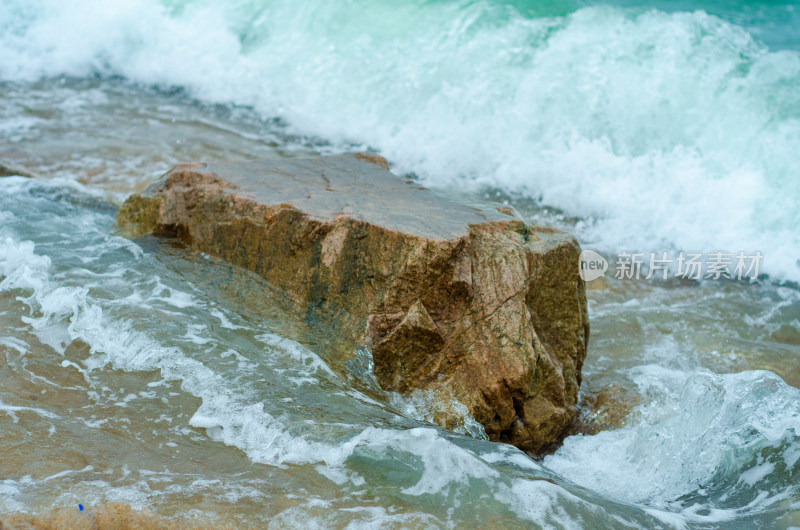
[(462, 299)]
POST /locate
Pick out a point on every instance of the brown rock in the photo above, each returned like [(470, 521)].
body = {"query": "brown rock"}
[(8, 171), (461, 299)]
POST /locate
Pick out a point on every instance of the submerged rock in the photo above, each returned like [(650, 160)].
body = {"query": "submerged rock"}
[(112, 516), (460, 299), (10, 171)]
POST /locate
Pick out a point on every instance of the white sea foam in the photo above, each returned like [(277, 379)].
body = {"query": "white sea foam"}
[(659, 130), (225, 412), (428, 405), (296, 351), (319, 515), (722, 437), (12, 411)]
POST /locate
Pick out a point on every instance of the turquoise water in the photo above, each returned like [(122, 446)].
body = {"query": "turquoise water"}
[(142, 373), (772, 23)]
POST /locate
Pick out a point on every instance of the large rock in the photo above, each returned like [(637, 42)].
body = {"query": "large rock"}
[(460, 299)]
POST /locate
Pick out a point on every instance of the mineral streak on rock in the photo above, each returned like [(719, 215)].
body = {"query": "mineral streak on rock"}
[(458, 298)]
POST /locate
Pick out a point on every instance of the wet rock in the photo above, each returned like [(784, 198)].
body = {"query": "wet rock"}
[(460, 299), (608, 408), (10, 171), (787, 334)]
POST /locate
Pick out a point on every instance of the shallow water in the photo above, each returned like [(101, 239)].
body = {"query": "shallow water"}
[(138, 372)]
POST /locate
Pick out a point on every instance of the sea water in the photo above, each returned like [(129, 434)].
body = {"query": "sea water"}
[(139, 372)]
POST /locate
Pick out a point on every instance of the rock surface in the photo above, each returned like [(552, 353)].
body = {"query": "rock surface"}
[(9, 171), (461, 299)]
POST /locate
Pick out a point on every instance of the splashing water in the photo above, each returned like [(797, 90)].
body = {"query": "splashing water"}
[(137, 372), (679, 124)]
